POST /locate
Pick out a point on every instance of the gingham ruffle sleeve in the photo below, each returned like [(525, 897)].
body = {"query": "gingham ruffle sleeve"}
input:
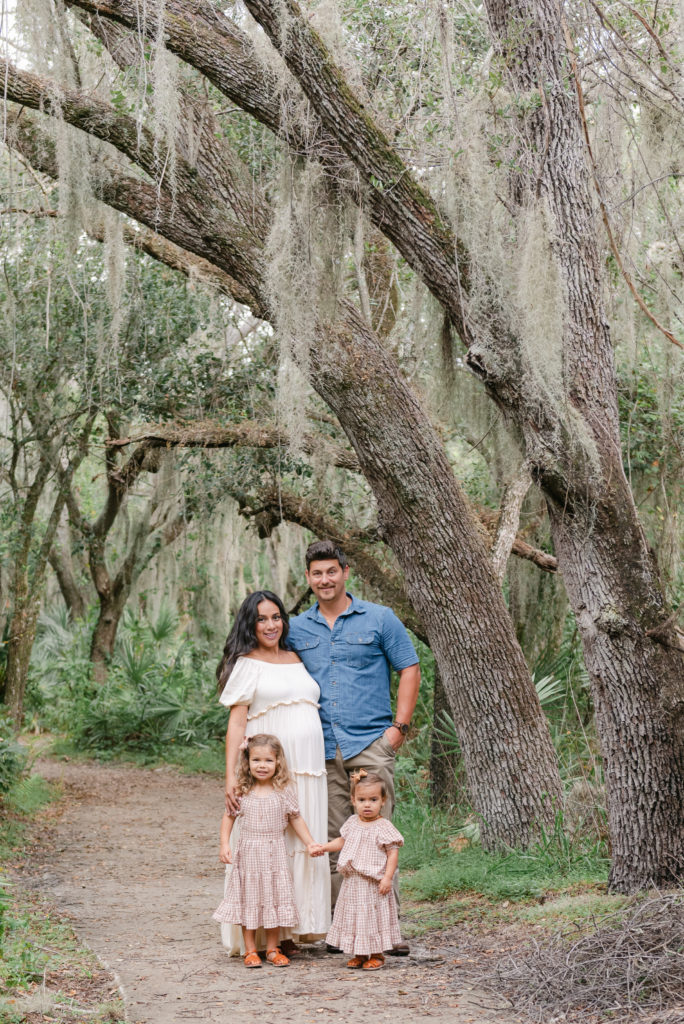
[(242, 683), (388, 837), (291, 802)]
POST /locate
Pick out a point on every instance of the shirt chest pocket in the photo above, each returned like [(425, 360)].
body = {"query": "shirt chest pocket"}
[(361, 648), (309, 650)]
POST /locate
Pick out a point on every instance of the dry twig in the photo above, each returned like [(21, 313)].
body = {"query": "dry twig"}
[(627, 965)]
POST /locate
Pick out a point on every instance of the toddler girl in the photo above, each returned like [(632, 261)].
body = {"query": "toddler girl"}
[(366, 920), (260, 892)]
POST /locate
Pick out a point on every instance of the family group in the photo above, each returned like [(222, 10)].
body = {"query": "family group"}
[(311, 737)]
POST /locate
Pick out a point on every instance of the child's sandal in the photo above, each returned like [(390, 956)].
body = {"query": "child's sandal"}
[(356, 961), (275, 957), (374, 963), (252, 959)]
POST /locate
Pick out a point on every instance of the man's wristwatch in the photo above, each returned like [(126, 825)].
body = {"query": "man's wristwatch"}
[(403, 727)]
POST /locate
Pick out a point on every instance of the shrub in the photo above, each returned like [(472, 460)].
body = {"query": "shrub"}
[(13, 756)]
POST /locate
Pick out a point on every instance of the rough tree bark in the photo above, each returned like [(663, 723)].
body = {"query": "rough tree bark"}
[(509, 759), (632, 649)]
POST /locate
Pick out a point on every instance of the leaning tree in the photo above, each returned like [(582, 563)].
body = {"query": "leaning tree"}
[(550, 370)]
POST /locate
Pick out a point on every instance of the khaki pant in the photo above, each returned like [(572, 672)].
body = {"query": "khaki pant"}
[(379, 757)]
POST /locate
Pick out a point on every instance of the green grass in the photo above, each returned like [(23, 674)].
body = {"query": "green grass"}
[(35, 944), (514, 875)]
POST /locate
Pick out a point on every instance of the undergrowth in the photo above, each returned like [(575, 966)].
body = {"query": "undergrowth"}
[(159, 705)]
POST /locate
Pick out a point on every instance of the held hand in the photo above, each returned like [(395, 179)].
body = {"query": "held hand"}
[(225, 856), (394, 737), (385, 885), (315, 849)]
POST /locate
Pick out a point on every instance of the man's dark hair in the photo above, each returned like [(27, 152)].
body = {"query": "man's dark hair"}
[(323, 550)]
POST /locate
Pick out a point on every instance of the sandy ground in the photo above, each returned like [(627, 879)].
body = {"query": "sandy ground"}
[(132, 861)]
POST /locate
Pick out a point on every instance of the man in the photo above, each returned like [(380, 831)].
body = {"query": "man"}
[(350, 646)]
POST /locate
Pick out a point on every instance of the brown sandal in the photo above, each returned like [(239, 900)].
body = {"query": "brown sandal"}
[(275, 957), (252, 959), (356, 961), (374, 963)]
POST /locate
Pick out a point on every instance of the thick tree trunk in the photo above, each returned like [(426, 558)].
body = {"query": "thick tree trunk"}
[(631, 649), (423, 516)]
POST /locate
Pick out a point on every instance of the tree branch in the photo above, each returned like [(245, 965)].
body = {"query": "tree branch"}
[(247, 434)]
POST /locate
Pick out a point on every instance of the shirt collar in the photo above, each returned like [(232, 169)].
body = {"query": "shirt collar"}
[(357, 605)]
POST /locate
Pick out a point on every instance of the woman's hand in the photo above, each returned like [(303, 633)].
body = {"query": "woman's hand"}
[(232, 802), (225, 856)]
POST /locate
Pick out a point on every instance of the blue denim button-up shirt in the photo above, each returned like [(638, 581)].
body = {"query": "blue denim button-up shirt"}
[(351, 664)]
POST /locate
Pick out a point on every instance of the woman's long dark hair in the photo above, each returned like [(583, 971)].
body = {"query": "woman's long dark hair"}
[(242, 637)]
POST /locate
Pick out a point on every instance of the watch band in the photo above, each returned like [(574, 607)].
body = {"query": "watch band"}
[(403, 727)]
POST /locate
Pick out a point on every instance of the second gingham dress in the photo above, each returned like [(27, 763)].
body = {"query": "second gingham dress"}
[(365, 922), (260, 891)]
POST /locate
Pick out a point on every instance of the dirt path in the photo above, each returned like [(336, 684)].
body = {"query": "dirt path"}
[(132, 861)]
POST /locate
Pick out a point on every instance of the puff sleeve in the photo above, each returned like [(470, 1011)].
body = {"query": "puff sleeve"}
[(241, 684), (349, 824), (388, 837), (291, 802)]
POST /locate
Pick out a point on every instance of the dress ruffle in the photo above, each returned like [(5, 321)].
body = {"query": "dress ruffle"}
[(283, 700), (279, 704)]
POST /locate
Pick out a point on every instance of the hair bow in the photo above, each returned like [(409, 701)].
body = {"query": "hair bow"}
[(360, 774), (244, 745)]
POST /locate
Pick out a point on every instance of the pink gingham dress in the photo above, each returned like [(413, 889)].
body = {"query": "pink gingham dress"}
[(260, 891), (365, 922)]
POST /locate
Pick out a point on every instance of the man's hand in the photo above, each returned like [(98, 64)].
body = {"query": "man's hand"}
[(394, 736)]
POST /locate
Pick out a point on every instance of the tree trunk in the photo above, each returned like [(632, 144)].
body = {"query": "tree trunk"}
[(74, 599), (631, 648), (424, 516), (22, 633), (104, 634)]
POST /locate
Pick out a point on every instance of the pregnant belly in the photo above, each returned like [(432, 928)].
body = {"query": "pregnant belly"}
[(298, 728)]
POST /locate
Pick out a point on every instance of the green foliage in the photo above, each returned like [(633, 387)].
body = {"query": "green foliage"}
[(13, 756), (160, 689), (555, 862)]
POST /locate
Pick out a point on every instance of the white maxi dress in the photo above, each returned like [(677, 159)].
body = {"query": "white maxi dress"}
[(282, 700)]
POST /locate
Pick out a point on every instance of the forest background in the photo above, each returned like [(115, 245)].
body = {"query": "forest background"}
[(407, 276)]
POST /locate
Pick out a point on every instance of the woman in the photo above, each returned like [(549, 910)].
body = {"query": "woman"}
[(268, 690)]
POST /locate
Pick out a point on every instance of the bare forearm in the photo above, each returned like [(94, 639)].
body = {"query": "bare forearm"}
[(302, 830), (390, 868), (392, 863), (235, 734), (334, 845), (407, 693), (227, 823)]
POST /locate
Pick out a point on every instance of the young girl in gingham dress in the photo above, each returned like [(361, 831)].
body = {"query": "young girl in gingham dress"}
[(260, 891), (366, 919)]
